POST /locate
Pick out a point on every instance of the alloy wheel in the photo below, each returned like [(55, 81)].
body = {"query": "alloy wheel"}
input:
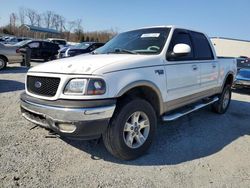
[(136, 130)]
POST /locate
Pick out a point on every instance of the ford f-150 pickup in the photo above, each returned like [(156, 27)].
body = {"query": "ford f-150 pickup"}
[(120, 91)]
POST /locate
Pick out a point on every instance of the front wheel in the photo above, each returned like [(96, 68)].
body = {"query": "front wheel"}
[(131, 130), (3, 63), (51, 58), (223, 103)]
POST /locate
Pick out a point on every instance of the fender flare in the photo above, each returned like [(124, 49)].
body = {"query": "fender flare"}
[(225, 79), (144, 83), (3, 56)]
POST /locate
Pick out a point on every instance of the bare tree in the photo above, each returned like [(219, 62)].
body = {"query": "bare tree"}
[(48, 16), (13, 21), (31, 15), (79, 25), (22, 13), (79, 28), (71, 26), (71, 30), (38, 20), (56, 21), (62, 21)]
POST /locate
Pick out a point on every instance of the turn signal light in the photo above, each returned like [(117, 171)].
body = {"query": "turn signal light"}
[(66, 127)]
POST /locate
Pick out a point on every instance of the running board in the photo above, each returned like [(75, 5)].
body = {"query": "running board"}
[(174, 116)]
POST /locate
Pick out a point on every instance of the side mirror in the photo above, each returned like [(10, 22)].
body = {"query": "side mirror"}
[(181, 50)]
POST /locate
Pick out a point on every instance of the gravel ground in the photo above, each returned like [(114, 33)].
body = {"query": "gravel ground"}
[(202, 149)]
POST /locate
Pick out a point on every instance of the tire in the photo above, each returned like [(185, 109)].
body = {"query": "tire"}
[(120, 139), (46, 59), (3, 63), (49, 58), (53, 57), (22, 63), (223, 103)]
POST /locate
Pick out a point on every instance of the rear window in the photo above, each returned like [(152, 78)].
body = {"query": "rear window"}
[(202, 47), (60, 42)]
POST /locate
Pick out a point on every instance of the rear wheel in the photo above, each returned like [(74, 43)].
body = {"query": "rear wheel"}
[(46, 59), (49, 58), (53, 57), (223, 103), (3, 63), (131, 130), (23, 62)]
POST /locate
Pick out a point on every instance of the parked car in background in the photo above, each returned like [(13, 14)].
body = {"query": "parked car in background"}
[(82, 48), (14, 40), (243, 62), (61, 42), (2, 39), (240, 61), (9, 54), (40, 49), (243, 75)]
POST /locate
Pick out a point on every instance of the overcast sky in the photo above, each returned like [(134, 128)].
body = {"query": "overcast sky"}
[(224, 18)]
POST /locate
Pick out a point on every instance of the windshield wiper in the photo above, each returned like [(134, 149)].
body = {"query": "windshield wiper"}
[(120, 50)]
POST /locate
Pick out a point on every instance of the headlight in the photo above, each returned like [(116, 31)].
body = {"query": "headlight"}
[(75, 86), (91, 86), (96, 87)]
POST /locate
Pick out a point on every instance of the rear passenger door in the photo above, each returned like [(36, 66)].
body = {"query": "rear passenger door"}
[(44, 51), (208, 65), (182, 73), (35, 49)]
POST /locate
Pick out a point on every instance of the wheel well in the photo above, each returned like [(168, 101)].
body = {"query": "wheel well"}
[(229, 80), (4, 58), (143, 92)]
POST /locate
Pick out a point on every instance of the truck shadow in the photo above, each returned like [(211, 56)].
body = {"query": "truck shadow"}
[(194, 136), (10, 85), (244, 91), (14, 70)]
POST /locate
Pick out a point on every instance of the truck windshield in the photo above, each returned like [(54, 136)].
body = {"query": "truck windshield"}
[(142, 41)]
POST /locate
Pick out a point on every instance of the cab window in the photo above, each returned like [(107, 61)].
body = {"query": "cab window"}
[(202, 47)]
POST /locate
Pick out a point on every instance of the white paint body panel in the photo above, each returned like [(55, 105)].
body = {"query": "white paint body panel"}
[(181, 79)]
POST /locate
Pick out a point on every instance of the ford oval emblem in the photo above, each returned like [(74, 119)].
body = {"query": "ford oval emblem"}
[(38, 84)]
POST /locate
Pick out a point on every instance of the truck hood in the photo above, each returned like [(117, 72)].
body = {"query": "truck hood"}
[(83, 64)]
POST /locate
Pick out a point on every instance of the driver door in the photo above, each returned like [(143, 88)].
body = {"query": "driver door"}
[(182, 73)]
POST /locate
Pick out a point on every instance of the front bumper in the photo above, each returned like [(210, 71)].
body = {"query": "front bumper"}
[(89, 122), (242, 82)]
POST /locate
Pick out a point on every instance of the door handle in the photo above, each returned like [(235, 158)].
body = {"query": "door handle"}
[(194, 67), (214, 66)]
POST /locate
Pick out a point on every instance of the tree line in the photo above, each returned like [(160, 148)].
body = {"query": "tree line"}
[(70, 30)]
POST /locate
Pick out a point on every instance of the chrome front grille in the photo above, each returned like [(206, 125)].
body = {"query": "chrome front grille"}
[(44, 86)]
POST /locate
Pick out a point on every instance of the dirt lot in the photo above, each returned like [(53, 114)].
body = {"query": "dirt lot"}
[(199, 150)]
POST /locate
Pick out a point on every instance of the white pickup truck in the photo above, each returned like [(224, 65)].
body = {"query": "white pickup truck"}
[(120, 91)]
